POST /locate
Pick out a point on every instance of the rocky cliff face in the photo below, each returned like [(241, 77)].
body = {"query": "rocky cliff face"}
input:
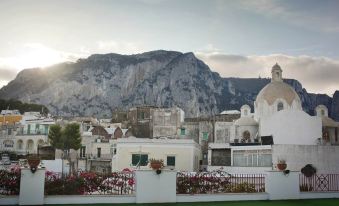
[(101, 83)]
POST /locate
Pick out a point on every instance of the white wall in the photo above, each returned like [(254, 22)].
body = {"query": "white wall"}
[(32, 187), (152, 187), (281, 186), (292, 127), (184, 151), (53, 165), (324, 158)]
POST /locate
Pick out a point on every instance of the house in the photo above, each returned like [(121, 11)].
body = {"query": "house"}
[(151, 121), (178, 154)]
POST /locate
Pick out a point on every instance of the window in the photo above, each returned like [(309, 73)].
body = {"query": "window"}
[(98, 152), (8, 143), (29, 129), (182, 131), (246, 135), (245, 112), (322, 112), (280, 106), (83, 151), (9, 131), (252, 158), (170, 160), (142, 115), (205, 136), (20, 143), (139, 159)]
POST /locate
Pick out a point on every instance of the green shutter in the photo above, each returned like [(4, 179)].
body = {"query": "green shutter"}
[(144, 160), (170, 160), (205, 136), (182, 132), (135, 159)]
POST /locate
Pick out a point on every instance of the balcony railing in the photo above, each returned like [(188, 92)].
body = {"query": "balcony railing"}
[(319, 183), (219, 182), (96, 157)]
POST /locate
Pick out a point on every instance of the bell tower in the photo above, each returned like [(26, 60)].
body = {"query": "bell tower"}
[(276, 73)]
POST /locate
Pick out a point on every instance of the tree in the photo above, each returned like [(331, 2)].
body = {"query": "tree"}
[(65, 139), (55, 137)]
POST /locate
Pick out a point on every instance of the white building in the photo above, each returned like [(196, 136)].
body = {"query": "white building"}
[(33, 131), (278, 129), (178, 154)]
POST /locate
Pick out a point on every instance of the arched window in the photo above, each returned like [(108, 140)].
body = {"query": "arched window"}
[(20, 144), (246, 135), (30, 144), (40, 142), (245, 112), (322, 112), (280, 106)]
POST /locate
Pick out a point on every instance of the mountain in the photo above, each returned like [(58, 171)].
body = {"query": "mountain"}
[(102, 83)]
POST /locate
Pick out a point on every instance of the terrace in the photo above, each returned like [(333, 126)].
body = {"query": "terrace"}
[(168, 186)]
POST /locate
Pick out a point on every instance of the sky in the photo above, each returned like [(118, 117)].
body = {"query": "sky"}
[(241, 38)]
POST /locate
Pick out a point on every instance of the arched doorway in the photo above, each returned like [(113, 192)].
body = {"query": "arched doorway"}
[(30, 144)]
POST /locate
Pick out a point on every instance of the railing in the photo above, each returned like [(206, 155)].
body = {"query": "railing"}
[(219, 182), (89, 183), (319, 183)]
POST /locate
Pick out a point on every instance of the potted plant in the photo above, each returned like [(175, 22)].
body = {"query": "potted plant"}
[(156, 164), (281, 165), (33, 162)]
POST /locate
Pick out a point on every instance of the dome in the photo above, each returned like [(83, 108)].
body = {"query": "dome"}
[(246, 121), (277, 90)]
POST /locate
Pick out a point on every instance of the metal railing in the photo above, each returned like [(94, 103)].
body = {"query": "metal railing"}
[(89, 183), (319, 183), (219, 182)]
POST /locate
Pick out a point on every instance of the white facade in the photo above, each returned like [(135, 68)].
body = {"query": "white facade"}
[(298, 138), (292, 127), (185, 152)]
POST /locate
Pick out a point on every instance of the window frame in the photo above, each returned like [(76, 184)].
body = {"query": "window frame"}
[(167, 162), (141, 160)]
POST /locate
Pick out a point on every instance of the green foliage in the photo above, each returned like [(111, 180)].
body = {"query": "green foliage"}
[(67, 138), (22, 107), (55, 137), (72, 137)]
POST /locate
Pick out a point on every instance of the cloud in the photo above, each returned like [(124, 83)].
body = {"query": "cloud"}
[(308, 18), (120, 47), (30, 55), (317, 74), (7, 74)]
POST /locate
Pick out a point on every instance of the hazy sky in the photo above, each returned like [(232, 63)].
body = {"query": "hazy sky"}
[(235, 38)]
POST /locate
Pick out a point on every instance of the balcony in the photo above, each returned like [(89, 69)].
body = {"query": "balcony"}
[(103, 157)]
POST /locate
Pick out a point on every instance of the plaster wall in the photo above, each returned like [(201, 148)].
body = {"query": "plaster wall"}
[(187, 153), (324, 158), (292, 127), (152, 187), (32, 187)]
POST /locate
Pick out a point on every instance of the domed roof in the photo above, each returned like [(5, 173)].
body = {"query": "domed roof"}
[(246, 121), (277, 90)]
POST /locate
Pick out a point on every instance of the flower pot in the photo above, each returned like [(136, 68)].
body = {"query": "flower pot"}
[(33, 163), (156, 165), (282, 166)]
